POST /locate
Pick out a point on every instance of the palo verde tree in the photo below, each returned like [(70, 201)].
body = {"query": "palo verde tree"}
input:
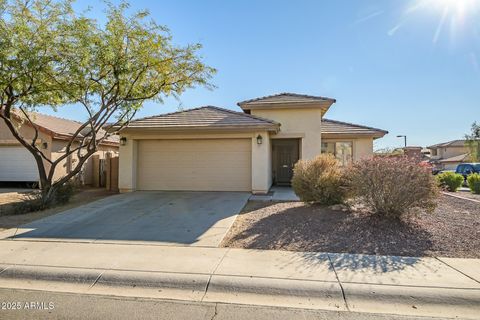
[(50, 56), (473, 142)]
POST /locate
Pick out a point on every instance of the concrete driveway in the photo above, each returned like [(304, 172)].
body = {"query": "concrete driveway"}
[(170, 218)]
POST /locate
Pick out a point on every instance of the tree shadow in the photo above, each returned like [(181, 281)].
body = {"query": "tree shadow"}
[(383, 244)]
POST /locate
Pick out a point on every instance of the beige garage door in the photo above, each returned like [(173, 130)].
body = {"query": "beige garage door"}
[(201, 165)]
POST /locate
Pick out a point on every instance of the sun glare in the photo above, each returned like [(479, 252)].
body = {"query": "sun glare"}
[(457, 15)]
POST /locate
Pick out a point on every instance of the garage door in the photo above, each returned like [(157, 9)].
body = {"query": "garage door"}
[(17, 164), (203, 165)]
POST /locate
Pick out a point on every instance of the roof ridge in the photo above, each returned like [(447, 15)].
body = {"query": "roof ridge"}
[(354, 124), (244, 114), (168, 113), (285, 93)]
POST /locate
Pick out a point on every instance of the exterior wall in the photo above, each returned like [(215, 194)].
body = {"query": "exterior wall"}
[(261, 156), (261, 164), (298, 123), (67, 164), (362, 148)]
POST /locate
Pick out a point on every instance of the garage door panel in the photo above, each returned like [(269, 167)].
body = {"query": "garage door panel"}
[(17, 164), (204, 165)]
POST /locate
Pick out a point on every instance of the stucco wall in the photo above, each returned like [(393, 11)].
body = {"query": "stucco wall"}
[(298, 123)]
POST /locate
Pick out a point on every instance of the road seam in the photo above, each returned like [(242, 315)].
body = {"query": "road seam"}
[(339, 283)]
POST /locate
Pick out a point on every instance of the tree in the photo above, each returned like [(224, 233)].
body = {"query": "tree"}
[(50, 56), (473, 142)]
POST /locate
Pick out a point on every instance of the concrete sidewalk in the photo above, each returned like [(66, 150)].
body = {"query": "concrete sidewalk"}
[(393, 285)]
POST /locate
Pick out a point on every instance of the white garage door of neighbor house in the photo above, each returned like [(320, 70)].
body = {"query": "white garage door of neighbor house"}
[(17, 164), (196, 165)]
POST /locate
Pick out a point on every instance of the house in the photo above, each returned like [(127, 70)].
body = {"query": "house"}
[(215, 149), (447, 155), (18, 165)]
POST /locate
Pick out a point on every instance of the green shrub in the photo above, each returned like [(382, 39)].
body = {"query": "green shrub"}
[(392, 187), (450, 180), (473, 181), (33, 202), (319, 180), (65, 192)]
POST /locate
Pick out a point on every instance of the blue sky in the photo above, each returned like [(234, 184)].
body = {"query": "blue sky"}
[(410, 67)]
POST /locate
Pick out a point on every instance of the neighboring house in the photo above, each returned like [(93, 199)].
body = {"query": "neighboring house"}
[(215, 149), (447, 155), (17, 163)]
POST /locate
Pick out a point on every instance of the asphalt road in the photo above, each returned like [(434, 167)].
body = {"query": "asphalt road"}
[(78, 306)]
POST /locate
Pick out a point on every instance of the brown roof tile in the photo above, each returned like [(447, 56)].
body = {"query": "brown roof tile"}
[(286, 97), (60, 127), (207, 117), (453, 143), (338, 127)]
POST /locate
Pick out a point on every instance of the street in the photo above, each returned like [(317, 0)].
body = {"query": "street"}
[(81, 306)]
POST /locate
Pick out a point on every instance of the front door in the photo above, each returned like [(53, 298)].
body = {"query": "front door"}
[(285, 155)]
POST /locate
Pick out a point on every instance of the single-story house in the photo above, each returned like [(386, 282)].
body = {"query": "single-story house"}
[(17, 163), (448, 155), (216, 149)]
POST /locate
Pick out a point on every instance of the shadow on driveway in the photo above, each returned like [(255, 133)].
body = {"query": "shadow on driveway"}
[(183, 218)]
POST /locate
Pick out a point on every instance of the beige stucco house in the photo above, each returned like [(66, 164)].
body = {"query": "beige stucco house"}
[(216, 149), (447, 155), (18, 165)]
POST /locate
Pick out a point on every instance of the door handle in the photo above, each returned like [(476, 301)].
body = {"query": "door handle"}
[(285, 166)]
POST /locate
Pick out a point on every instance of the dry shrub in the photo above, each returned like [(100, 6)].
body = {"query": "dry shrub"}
[(319, 180), (393, 187)]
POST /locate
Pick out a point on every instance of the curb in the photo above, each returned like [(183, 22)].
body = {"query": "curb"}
[(300, 294), (460, 197)]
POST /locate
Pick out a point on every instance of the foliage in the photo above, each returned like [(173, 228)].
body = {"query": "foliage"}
[(319, 180), (51, 56), (392, 187), (450, 180), (473, 142), (473, 181), (65, 192), (33, 202)]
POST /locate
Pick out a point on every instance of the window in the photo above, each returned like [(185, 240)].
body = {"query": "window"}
[(342, 150)]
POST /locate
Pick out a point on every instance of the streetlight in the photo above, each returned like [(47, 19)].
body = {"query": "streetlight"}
[(404, 139)]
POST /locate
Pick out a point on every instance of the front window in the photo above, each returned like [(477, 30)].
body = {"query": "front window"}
[(342, 150)]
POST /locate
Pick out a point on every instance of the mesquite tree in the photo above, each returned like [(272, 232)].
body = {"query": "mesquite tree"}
[(50, 56), (473, 142)]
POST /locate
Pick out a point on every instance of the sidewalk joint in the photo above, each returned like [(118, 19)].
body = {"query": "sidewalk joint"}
[(339, 283), (466, 275)]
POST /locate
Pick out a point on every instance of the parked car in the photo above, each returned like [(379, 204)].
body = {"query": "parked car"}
[(466, 169)]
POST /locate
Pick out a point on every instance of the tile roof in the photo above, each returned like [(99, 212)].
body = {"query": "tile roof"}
[(60, 127), (207, 117), (453, 143), (338, 127), (286, 97), (459, 158)]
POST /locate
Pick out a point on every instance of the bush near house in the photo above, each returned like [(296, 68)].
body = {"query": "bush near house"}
[(473, 181), (450, 181), (320, 180), (392, 187)]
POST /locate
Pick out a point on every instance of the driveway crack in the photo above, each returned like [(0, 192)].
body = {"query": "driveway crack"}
[(211, 275)]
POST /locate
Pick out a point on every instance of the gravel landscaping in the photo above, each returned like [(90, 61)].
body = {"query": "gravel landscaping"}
[(453, 230)]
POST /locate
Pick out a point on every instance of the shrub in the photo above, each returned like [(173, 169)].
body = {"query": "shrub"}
[(450, 180), (32, 202), (319, 180), (473, 181), (65, 192), (392, 187)]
